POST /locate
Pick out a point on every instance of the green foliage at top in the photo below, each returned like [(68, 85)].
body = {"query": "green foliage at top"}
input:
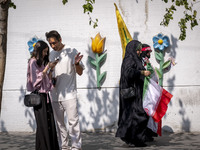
[(12, 5), (64, 1), (189, 15), (87, 8), (7, 3)]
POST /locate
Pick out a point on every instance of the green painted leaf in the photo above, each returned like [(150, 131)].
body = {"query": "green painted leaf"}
[(166, 64), (102, 76), (158, 56), (102, 58), (158, 73), (92, 61)]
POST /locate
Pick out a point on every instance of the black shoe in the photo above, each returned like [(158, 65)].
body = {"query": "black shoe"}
[(149, 139), (140, 145)]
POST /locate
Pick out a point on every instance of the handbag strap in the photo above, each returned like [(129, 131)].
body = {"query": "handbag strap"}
[(35, 92)]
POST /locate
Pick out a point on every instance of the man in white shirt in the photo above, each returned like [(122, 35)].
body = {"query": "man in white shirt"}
[(64, 94)]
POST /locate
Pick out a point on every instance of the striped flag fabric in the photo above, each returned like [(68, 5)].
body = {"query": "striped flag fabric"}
[(155, 100), (156, 127)]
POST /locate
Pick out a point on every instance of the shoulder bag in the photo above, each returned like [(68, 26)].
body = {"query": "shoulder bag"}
[(33, 99), (128, 92)]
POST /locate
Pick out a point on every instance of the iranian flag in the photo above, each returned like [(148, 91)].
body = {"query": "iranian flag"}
[(155, 103)]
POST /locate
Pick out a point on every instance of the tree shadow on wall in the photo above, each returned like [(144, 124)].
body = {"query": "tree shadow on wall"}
[(172, 53), (135, 35), (186, 124), (103, 110), (28, 113), (3, 127)]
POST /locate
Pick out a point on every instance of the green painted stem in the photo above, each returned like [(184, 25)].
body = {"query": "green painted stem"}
[(97, 69), (161, 68)]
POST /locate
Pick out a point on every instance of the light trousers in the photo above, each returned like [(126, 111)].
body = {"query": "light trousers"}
[(70, 107)]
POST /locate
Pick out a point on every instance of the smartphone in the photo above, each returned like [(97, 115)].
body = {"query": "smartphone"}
[(56, 61)]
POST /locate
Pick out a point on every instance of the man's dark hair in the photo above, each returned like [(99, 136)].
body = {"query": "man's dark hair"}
[(54, 34)]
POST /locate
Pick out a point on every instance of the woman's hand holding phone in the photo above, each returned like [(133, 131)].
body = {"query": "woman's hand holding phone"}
[(53, 64)]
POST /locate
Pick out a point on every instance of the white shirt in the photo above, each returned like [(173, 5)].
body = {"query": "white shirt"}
[(65, 73)]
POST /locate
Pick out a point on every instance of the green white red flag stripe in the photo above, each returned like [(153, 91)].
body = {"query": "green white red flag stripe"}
[(155, 99), (155, 126)]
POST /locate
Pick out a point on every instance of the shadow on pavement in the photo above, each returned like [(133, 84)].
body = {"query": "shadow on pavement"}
[(17, 141), (105, 141)]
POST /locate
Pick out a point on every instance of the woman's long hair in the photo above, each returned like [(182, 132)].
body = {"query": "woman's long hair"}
[(37, 53)]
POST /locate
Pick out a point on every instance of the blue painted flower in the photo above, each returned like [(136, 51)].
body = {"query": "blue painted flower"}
[(32, 43), (160, 42)]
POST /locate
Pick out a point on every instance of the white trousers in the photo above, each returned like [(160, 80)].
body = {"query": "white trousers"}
[(70, 107)]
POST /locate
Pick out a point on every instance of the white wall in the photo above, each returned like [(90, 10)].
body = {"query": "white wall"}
[(99, 108)]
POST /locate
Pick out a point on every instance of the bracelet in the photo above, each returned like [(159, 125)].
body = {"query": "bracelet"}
[(142, 72)]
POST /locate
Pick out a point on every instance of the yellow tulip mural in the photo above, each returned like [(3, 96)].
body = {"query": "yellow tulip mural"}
[(98, 44)]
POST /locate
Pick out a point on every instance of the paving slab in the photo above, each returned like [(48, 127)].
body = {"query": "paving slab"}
[(106, 141)]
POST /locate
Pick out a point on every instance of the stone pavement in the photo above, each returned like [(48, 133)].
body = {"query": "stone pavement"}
[(106, 141)]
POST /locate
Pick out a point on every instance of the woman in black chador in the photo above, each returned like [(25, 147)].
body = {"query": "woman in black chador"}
[(133, 120)]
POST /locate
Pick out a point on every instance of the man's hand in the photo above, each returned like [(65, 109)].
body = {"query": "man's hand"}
[(79, 69), (78, 58)]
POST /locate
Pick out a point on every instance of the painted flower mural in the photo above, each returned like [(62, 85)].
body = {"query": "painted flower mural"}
[(98, 44), (32, 43), (160, 42)]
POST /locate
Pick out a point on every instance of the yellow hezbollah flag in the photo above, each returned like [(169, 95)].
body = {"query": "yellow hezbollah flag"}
[(123, 31)]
